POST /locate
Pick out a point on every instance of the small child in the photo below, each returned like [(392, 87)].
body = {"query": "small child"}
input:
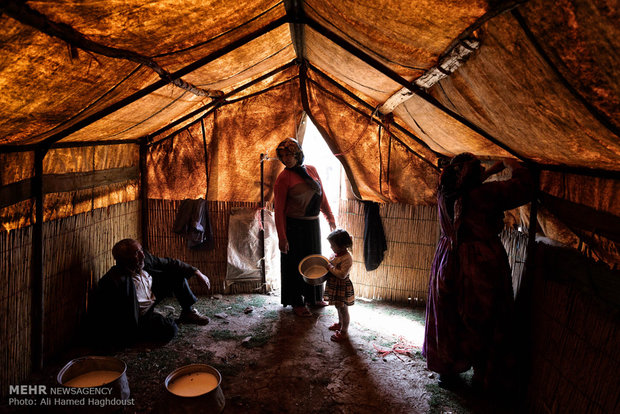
[(339, 290)]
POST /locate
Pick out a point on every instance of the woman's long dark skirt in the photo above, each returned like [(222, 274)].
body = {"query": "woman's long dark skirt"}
[(304, 238)]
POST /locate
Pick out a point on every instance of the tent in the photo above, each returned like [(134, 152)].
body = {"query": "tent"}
[(123, 108)]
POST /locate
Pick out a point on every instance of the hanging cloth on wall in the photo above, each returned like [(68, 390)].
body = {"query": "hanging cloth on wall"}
[(375, 244), (193, 223)]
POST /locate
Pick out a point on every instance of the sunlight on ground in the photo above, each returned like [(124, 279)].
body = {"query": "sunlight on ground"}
[(388, 324), (318, 154)]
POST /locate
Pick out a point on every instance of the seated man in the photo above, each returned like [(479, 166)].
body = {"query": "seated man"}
[(129, 291)]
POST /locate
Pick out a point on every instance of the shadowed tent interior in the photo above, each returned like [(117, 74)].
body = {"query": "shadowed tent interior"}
[(115, 112)]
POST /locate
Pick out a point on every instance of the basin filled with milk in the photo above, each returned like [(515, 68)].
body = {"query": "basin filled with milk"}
[(195, 388), (97, 372), (313, 269)]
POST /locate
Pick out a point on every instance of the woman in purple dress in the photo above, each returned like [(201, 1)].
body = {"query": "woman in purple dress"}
[(470, 305)]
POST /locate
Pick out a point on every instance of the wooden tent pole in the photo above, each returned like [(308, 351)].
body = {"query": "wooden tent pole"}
[(523, 300), (296, 16), (38, 299), (144, 195), (531, 237), (263, 274), (74, 144), (204, 147)]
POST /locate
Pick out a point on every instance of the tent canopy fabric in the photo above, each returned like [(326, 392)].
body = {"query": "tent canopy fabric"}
[(205, 87)]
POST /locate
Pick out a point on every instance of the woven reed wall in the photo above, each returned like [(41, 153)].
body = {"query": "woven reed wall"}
[(411, 233), (515, 243), (77, 252), (15, 300), (575, 339), (164, 242)]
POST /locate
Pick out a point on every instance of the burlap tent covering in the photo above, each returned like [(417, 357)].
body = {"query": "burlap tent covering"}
[(114, 112), (85, 85)]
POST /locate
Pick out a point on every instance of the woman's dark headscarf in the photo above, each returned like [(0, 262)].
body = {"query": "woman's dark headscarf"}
[(458, 177), (461, 174), (291, 146)]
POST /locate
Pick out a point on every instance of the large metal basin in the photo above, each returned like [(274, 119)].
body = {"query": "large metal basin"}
[(313, 269)]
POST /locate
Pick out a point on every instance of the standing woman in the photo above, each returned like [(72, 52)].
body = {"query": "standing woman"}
[(298, 199), (470, 307)]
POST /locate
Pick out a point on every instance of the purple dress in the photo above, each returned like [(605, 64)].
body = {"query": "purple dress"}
[(470, 304)]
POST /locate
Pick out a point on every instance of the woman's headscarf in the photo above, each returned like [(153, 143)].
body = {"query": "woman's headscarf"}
[(461, 175), (292, 146)]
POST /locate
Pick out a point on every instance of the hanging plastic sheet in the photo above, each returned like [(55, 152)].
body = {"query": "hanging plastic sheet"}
[(244, 246)]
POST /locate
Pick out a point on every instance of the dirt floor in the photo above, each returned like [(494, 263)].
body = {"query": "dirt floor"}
[(272, 361)]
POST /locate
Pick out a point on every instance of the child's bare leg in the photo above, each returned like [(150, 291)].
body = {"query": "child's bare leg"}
[(339, 309), (343, 316)]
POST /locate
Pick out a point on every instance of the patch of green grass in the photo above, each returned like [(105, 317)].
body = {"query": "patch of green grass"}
[(369, 338), (271, 315), (407, 313), (416, 314), (371, 305), (386, 344), (257, 301), (157, 360), (185, 330), (224, 335), (230, 307), (442, 400), (260, 334), (256, 341)]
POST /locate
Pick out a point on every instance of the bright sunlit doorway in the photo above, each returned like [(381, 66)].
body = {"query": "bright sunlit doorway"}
[(402, 326), (318, 154)]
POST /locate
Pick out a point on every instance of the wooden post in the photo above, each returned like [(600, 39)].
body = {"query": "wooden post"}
[(144, 195), (262, 224), (530, 251), (523, 301), (204, 147), (38, 299)]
